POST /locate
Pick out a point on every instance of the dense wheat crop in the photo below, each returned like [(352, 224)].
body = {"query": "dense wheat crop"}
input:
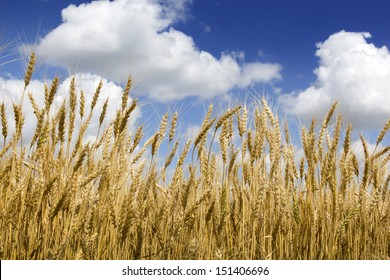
[(235, 191)]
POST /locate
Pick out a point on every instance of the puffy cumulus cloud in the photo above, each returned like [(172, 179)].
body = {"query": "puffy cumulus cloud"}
[(12, 91), (254, 72), (355, 73), (115, 39)]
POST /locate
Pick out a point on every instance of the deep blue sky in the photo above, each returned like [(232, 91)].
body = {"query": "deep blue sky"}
[(284, 31)]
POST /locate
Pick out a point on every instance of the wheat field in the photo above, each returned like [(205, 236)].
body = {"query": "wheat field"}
[(235, 191)]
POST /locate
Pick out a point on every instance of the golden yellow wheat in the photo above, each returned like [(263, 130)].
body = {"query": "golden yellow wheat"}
[(247, 197)]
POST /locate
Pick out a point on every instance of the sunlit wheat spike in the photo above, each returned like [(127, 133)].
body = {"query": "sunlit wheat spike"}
[(4, 123), (355, 165), (268, 110), (82, 104), (125, 94), (72, 95), (302, 167), (365, 148), (43, 136), (107, 141), (347, 140), (96, 95), (116, 122), (184, 153), (19, 118), (383, 132), (33, 104), (5, 149), (380, 153), (80, 159), (30, 69), (137, 138), (103, 113), (171, 155), (336, 135), (125, 118), (160, 134), (286, 132), (46, 91), (208, 114), (232, 159), (173, 127), (225, 116), (203, 131), (329, 115), (242, 121), (38, 127), (249, 144), (325, 124), (139, 154), (50, 97), (230, 125), (366, 162), (61, 123), (223, 141)]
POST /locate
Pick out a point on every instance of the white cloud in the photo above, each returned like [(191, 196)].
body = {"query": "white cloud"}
[(12, 90), (355, 73), (115, 39), (253, 72)]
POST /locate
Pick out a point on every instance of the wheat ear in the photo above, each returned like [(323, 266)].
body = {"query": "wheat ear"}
[(125, 95), (30, 70), (4, 123), (382, 133), (173, 127)]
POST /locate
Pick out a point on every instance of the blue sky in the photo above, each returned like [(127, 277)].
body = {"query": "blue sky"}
[(303, 55)]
